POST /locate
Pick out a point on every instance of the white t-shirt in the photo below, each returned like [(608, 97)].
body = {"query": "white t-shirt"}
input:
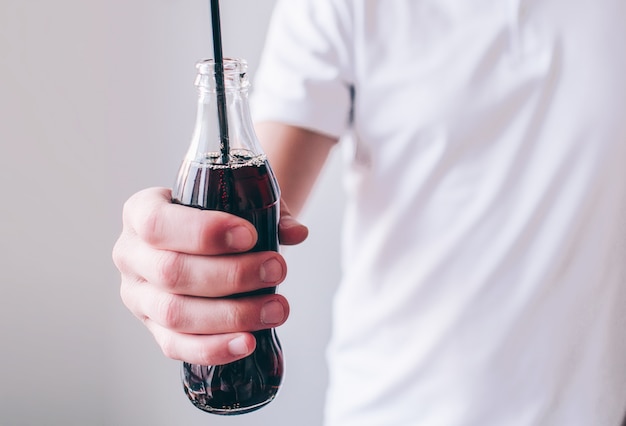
[(485, 231)]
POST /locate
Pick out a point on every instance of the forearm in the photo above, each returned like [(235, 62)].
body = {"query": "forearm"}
[(297, 156)]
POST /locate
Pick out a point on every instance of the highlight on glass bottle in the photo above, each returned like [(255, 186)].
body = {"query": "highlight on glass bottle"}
[(239, 181)]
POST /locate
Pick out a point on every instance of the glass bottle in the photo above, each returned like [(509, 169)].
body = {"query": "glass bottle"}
[(238, 181)]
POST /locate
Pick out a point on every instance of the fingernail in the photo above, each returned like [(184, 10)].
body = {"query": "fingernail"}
[(238, 346), (239, 238), (271, 271), (272, 313)]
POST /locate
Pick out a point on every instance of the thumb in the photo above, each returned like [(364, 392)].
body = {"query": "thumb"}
[(290, 231)]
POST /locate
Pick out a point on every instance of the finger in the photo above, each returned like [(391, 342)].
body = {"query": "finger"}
[(207, 276), (290, 231), (162, 224), (198, 315), (201, 349)]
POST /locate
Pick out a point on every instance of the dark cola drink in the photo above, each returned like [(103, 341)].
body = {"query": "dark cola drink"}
[(225, 169), (245, 187)]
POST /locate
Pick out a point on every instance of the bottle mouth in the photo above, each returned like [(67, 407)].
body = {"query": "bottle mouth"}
[(235, 74)]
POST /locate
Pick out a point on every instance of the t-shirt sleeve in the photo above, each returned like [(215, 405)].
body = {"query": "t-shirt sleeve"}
[(304, 77)]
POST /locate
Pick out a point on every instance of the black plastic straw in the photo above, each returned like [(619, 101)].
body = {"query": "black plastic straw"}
[(219, 81)]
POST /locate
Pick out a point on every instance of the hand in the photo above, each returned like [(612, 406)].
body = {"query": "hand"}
[(178, 266)]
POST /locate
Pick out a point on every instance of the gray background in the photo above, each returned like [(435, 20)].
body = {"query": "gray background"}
[(97, 102)]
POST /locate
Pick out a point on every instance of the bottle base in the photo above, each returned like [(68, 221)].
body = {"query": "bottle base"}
[(225, 389), (230, 411)]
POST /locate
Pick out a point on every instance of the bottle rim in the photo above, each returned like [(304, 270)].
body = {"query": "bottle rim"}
[(235, 74)]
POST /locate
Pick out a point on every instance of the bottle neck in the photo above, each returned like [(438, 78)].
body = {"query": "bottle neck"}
[(207, 140)]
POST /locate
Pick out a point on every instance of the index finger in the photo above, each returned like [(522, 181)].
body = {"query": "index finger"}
[(152, 216)]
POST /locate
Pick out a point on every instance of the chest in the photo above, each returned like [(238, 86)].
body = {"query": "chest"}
[(460, 67)]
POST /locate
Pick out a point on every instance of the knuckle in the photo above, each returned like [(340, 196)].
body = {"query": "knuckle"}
[(170, 311), (127, 209), (116, 255), (119, 254), (130, 210), (129, 296), (125, 295), (207, 232), (150, 226), (142, 212), (169, 269), (168, 346), (233, 274), (234, 318)]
